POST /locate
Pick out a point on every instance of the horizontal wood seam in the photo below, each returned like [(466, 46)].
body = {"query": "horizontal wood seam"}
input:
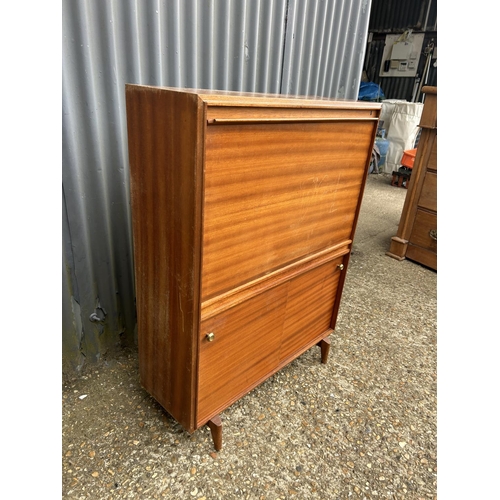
[(236, 296), (426, 210)]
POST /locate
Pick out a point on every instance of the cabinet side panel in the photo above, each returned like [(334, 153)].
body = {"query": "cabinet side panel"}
[(165, 171), (424, 153), (429, 113), (428, 198)]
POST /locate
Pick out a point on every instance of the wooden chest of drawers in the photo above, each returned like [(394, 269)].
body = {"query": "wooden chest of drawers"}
[(416, 238), (244, 209)]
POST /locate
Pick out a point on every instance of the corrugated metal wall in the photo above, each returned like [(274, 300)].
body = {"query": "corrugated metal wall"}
[(324, 47), (307, 47)]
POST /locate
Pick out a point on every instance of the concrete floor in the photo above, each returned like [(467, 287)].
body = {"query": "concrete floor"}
[(362, 426)]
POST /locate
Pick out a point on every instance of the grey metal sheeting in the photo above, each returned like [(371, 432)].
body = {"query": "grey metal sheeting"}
[(305, 47)]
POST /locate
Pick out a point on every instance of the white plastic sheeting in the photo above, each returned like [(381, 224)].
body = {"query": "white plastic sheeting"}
[(401, 122)]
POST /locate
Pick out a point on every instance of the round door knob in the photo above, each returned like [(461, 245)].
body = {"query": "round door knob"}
[(210, 336), (341, 267)]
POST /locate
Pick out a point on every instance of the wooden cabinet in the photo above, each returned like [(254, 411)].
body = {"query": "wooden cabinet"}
[(244, 208), (416, 238)]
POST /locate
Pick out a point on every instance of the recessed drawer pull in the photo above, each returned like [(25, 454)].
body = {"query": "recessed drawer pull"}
[(433, 234), (210, 336), (298, 119)]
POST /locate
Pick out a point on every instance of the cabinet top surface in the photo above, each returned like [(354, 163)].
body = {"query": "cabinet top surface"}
[(235, 98)]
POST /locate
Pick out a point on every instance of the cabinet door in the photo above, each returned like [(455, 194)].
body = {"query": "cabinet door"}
[(257, 337), (309, 308), (277, 192)]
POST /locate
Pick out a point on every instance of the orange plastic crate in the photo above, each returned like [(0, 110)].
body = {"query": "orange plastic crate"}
[(409, 157)]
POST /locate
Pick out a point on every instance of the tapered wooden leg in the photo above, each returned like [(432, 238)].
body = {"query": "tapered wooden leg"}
[(325, 349), (216, 429)]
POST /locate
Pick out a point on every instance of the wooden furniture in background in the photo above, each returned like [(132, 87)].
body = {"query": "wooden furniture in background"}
[(244, 208), (401, 179), (416, 238)]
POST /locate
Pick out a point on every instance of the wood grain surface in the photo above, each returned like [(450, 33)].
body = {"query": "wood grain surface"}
[(426, 154), (425, 222), (429, 113), (218, 114), (225, 98), (255, 338), (166, 174), (277, 192), (243, 208), (244, 292), (428, 198)]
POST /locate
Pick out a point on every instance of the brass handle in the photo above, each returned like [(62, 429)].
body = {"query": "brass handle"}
[(210, 337), (433, 234), (341, 267)]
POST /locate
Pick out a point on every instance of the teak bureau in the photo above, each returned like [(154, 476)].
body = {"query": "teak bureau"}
[(244, 208)]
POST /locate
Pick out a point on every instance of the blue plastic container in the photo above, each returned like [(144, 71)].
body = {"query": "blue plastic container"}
[(383, 145)]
